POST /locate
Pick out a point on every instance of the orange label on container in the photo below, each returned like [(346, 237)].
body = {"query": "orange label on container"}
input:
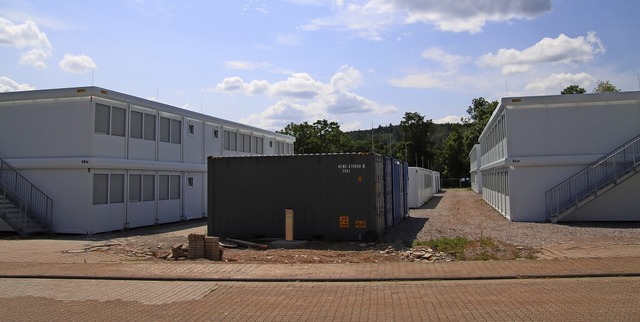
[(344, 221), (361, 224)]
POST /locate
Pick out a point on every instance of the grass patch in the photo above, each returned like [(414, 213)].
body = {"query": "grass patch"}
[(486, 248), (453, 246)]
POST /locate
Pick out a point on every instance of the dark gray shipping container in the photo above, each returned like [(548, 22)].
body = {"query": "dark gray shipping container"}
[(333, 196)]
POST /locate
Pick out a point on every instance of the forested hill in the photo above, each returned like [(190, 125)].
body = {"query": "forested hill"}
[(392, 135)]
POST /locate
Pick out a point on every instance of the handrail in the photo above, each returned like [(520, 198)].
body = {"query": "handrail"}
[(593, 177), (36, 202)]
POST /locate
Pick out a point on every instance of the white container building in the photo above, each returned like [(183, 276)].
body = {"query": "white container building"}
[(565, 157), (475, 176), (422, 185), (110, 161)]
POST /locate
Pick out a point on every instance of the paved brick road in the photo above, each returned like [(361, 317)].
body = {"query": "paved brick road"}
[(595, 299)]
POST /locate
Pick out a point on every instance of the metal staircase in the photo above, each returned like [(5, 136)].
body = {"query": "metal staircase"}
[(22, 205), (594, 180)]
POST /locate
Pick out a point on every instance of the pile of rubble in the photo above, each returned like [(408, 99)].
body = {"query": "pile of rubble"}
[(200, 246), (420, 255)]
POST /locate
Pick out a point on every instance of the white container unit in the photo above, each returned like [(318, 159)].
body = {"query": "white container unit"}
[(111, 161), (422, 185), (532, 144), (474, 168)]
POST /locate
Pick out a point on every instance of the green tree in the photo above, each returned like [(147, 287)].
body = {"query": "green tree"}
[(480, 112), (416, 133), (453, 155), (320, 137), (605, 87), (573, 89)]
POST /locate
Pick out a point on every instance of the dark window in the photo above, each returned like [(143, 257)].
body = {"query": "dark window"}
[(174, 187), (103, 117), (116, 188), (175, 131), (136, 125), (100, 189), (135, 187), (118, 121), (150, 127), (165, 124), (163, 192), (148, 187)]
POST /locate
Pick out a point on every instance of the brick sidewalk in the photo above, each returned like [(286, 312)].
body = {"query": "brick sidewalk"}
[(216, 271)]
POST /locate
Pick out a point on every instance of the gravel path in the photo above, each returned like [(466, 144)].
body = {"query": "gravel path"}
[(461, 212)]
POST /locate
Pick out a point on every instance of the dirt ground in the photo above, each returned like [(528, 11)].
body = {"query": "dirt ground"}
[(448, 215)]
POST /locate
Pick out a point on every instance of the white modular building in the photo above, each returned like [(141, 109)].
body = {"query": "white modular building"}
[(96, 160), (422, 184), (474, 169), (563, 158)]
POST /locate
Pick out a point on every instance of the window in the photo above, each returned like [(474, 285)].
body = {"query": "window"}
[(116, 188), (103, 117), (244, 142), (169, 187), (118, 121), (260, 145), (175, 131), (174, 187), (190, 183), (143, 124), (141, 187), (148, 187), (150, 127), (108, 188), (247, 143), (170, 130), (163, 192), (230, 140), (215, 134), (136, 125), (165, 125), (192, 129), (100, 189), (135, 187)]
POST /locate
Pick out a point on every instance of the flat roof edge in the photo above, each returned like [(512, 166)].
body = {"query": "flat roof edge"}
[(87, 91)]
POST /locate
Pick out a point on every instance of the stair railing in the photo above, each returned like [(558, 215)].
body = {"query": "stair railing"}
[(34, 201), (592, 178)]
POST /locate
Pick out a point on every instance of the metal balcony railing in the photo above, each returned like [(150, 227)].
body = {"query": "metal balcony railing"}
[(594, 179), (31, 201)]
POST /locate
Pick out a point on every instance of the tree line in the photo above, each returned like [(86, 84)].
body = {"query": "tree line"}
[(419, 141)]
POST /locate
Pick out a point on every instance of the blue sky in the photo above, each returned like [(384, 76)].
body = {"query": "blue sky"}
[(269, 63)]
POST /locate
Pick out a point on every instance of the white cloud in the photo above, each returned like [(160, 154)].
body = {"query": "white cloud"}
[(303, 98), (470, 15), (299, 85), (448, 119), (244, 65), (368, 20), (421, 80), (560, 50), (77, 63), (555, 83), (9, 85), (441, 56), (372, 18), (447, 75), (288, 40), (26, 35)]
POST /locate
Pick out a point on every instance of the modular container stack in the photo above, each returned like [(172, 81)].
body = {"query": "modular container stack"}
[(333, 196), (423, 184)]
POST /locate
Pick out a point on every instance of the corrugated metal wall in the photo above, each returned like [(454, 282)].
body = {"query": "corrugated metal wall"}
[(334, 197)]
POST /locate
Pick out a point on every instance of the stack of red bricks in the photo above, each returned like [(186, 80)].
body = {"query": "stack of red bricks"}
[(201, 246)]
